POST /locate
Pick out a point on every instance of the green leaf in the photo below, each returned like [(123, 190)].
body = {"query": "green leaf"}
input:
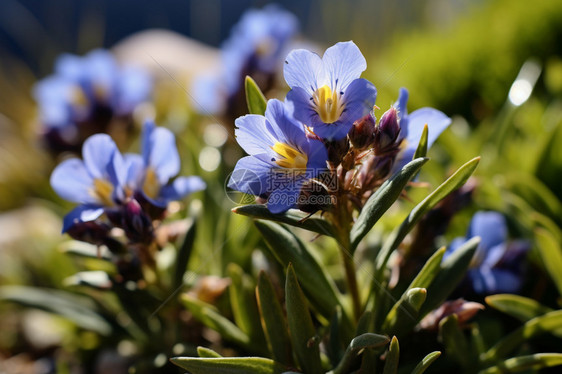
[(210, 317), (521, 363), (207, 353), (287, 248), (77, 309), (452, 183), (534, 327), (392, 357), (273, 321), (303, 335), (551, 254), (382, 199), (184, 254), (335, 347), (517, 306), (429, 270), (229, 365), (421, 151), (427, 360), (404, 315), (254, 97), (244, 305), (358, 344), (292, 217), (453, 270), (456, 344)]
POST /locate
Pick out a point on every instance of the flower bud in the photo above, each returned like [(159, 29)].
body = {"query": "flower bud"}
[(362, 134), (387, 131), (136, 223)]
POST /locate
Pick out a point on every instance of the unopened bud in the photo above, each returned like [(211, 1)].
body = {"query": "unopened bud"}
[(387, 131), (362, 134), (136, 223)]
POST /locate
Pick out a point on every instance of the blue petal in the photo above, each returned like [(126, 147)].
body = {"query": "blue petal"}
[(250, 176), (343, 63), (282, 125), (181, 187), (317, 156), (283, 199), (456, 243), (161, 153), (72, 182), (134, 87), (303, 109), (82, 213), (333, 131), (134, 166), (304, 69), (490, 227), (494, 255), (98, 152), (252, 134), (358, 99), (492, 281), (401, 105), (436, 121)]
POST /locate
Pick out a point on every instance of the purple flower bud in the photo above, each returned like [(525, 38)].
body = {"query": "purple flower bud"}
[(136, 223), (387, 131), (362, 133)]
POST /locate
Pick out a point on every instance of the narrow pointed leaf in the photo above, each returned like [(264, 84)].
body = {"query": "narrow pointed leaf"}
[(207, 353), (291, 217), (426, 362), (429, 270), (517, 306), (336, 349), (534, 327), (303, 334), (244, 305), (392, 357), (452, 183), (551, 254), (210, 317), (229, 365), (287, 248), (254, 97), (525, 363), (382, 199), (404, 315), (77, 309), (359, 343), (184, 254), (421, 151), (273, 321), (453, 270), (456, 344)]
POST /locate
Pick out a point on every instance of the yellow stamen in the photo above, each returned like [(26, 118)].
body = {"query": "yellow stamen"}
[(151, 186), (79, 98), (102, 191), (327, 104), (292, 158)]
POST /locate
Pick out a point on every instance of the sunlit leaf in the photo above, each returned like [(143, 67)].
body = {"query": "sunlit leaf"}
[(426, 362), (551, 254), (392, 357), (421, 151), (228, 365), (525, 363), (207, 352), (359, 343), (254, 97), (291, 217), (382, 199)]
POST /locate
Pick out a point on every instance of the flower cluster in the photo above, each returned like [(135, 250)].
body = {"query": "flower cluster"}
[(497, 266), (324, 141), (129, 191), (88, 95), (255, 47)]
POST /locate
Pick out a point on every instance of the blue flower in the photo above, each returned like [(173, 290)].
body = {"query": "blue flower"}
[(411, 127), (281, 156), (90, 89), (496, 266), (255, 47), (327, 92), (96, 182), (153, 172)]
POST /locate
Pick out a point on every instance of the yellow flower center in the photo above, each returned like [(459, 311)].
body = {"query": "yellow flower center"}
[(328, 105), (102, 191), (151, 186), (78, 97), (292, 158)]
